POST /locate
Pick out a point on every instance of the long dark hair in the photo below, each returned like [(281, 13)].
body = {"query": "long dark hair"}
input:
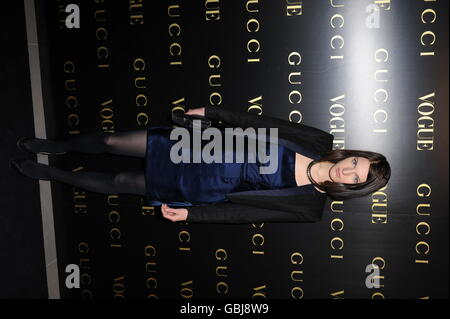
[(379, 174)]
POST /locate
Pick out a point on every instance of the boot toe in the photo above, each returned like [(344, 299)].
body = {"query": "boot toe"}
[(15, 164), (21, 144), (29, 168)]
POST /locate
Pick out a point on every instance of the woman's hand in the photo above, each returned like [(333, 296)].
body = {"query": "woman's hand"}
[(174, 214), (197, 111)]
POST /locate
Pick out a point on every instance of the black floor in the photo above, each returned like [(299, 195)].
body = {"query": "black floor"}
[(22, 267)]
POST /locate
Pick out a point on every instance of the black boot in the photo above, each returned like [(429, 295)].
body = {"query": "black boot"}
[(30, 168), (41, 146)]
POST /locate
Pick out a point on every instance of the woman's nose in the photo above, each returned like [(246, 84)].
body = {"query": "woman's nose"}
[(347, 170)]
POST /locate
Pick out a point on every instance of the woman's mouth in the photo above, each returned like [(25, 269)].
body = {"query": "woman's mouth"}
[(337, 172)]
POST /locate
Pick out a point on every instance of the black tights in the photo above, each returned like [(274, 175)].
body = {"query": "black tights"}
[(131, 143)]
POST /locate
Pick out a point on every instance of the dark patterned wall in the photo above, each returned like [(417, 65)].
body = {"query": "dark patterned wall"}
[(372, 73)]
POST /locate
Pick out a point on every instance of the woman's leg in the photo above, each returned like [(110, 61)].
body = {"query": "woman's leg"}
[(129, 143), (130, 182)]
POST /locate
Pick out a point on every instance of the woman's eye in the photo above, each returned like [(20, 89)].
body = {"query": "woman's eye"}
[(354, 162)]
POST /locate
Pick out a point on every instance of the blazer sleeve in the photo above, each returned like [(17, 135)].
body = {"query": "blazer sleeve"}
[(232, 213), (245, 119)]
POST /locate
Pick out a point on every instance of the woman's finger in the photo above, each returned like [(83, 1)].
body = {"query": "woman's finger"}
[(197, 111), (169, 213)]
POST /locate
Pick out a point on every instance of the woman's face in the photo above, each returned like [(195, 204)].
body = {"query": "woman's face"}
[(351, 170)]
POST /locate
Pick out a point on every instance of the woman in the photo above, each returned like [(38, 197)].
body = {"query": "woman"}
[(308, 171)]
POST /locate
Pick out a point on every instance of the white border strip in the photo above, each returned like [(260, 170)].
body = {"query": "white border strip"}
[(48, 225)]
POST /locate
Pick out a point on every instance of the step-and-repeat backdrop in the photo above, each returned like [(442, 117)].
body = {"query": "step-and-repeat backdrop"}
[(372, 73)]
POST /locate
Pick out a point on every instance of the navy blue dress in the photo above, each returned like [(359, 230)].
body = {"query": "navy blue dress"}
[(187, 184)]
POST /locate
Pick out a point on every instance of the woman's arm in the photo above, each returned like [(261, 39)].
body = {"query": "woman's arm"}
[(307, 136), (314, 138), (245, 119), (240, 214)]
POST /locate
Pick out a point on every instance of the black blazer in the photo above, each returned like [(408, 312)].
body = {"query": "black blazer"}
[(278, 205)]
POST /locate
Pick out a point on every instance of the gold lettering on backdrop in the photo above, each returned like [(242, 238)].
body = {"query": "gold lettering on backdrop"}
[(106, 115), (151, 281), (184, 237), (337, 42), (221, 271), (187, 291), (295, 96), (140, 86), (85, 263), (381, 263), (295, 114), (101, 34), (337, 122), (425, 123), (380, 115), (215, 98), (174, 30), (333, 5), (113, 218), (338, 294), (85, 270), (257, 239), (293, 8), (259, 292), (385, 4), (73, 122), (379, 206), (255, 107), (70, 85), (256, 104), (142, 109), (297, 275), (423, 227), (62, 14), (252, 26), (428, 37), (73, 119), (336, 225), (212, 10), (146, 210), (136, 10), (112, 200), (178, 105), (85, 279), (118, 287), (294, 59), (79, 201), (424, 190)]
